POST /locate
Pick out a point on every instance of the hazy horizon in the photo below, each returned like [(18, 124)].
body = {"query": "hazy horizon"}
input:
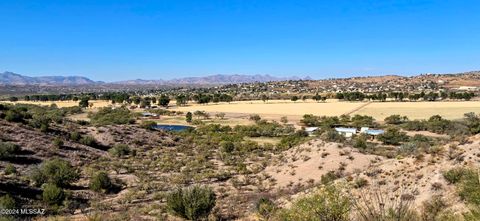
[(209, 75), (113, 41)]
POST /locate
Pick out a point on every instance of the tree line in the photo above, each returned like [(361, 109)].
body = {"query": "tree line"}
[(402, 96), (206, 97)]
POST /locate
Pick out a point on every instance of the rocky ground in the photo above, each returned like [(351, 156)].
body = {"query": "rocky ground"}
[(163, 161)]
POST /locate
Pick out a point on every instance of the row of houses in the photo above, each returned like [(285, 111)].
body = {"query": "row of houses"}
[(350, 131)]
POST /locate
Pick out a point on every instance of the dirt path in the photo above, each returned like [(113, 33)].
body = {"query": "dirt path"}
[(358, 108)]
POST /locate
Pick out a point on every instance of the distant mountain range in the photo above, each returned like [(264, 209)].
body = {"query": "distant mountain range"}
[(213, 79), (10, 78)]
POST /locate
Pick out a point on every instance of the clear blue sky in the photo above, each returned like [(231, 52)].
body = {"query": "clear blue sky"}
[(116, 40)]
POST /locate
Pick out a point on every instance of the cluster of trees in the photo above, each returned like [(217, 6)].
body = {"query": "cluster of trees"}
[(437, 124), (116, 97), (36, 116), (53, 176), (350, 96), (263, 128), (326, 122), (292, 140), (393, 136), (202, 98), (110, 116), (58, 97), (470, 124), (401, 96), (182, 99), (461, 96), (318, 97), (164, 99), (396, 119)]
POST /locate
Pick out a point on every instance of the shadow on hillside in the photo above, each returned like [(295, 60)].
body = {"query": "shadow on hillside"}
[(100, 147), (69, 148), (76, 187), (18, 189), (25, 152), (23, 160)]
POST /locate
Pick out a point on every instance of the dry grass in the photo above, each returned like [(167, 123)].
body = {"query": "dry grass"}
[(264, 140), (277, 108), (238, 112), (420, 110), (274, 110)]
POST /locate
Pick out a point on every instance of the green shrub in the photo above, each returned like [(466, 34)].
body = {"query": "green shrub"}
[(415, 125), (188, 117), (265, 207), (255, 117), (363, 121), (292, 140), (472, 215), (119, 150), (7, 202), (75, 136), (8, 149), (14, 116), (467, 182), (473, 122), (55, 171), (437, 124), (40, 121), (149, 125), (227, 146), (393, 136), (396, 119), (52, 194), (360, 182), (100, 182), (420, 139), (88, 141), (57, 142), (469, 188), (328, 178), (10, 169), (83, 102), (360, 142), (333, 136), (191, 203), (326, 205), (433, 208), (455, 175)]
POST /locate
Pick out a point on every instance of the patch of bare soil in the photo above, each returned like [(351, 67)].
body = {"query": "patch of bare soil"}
[(308, 162), (422, 176), (419, 177)]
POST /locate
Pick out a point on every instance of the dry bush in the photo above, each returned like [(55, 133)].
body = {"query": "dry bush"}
[(375, 205)]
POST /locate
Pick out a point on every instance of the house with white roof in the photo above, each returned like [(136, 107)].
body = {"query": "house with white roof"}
[(311, 130), (346, 131)]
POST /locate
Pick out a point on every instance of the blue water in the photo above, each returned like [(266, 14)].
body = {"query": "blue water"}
[(171, 127)]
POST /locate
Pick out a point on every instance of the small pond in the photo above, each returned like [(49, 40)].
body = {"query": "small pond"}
[(171, 127)]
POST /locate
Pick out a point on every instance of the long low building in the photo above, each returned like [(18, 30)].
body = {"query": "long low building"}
[(350, 131), (374, 132), (346, 131)]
